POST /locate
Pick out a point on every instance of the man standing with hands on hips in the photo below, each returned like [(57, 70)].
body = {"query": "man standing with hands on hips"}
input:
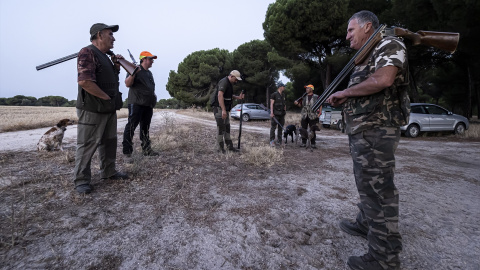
[(141, 101), (375, 105), (96, 108)]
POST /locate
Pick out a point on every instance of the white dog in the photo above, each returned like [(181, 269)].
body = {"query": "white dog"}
[(52, 139)]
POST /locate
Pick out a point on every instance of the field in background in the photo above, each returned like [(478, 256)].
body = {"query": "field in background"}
[(16, 118)]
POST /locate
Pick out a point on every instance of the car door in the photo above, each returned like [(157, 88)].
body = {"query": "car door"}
[(439, 118), (263, 113), (420, 116), (251, 111)]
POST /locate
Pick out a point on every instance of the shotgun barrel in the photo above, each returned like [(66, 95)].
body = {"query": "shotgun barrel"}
[(129, 67), (58, 61)]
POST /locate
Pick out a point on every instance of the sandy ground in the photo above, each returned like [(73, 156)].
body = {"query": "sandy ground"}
[(196, 209)]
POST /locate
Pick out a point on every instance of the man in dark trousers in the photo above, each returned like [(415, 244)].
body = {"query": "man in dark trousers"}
[(278, 109), (96, 108), (375, 105), (221, 103), (141, 101), (309, 117)]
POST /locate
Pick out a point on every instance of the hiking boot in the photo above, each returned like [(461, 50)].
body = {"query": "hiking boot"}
[(365, 262), (221, 148), (272, 143), (117, 176), (84, 189), (303, 145), (352, 228), (231, 148), (314, 146), (150, 153)]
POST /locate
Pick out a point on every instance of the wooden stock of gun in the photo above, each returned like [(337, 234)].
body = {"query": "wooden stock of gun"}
[(441, 40)]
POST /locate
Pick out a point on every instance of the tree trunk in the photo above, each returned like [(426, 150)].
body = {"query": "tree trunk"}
[(471, 83)]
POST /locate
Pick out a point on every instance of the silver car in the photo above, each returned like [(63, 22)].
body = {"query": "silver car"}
[(250, 111), (431, 117)]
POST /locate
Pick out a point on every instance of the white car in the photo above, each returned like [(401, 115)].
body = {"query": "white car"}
[(431, 117), (250, 111)]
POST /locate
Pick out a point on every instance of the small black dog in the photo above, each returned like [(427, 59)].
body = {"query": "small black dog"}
[(290, 130)]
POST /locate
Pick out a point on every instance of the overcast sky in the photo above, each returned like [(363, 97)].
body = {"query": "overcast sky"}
[(36, 32)]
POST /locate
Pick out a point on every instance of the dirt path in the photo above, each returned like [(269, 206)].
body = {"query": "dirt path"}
[(192, 208)]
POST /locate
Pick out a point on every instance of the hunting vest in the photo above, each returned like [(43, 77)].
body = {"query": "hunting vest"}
[(227, 88), (279, 103), (307, 107), (106, 79), (142, 91)]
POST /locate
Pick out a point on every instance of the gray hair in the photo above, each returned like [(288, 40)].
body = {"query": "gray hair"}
[(365, 16)]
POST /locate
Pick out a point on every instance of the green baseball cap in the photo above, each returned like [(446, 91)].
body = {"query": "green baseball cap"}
[(99, 27)]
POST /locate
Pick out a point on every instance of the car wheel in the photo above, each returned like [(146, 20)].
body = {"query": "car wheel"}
[(412, 131), (340, 125), (459, 128), (245, 117), (325, 125)]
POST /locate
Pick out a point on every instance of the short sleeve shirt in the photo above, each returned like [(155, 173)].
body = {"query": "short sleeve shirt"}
[(382, 108), (86, 65)]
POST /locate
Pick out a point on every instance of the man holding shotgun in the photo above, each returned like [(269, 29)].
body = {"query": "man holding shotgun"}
[(278, 109), (375, 105), (96, 107), (309, 117), (141, 101)]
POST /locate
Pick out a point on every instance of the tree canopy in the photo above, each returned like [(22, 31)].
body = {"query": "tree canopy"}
[(198, 75)]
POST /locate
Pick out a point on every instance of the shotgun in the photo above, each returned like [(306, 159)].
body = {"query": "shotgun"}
[(441, 40), (129, 67)]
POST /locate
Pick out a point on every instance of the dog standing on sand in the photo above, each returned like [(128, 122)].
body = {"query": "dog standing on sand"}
[(52, 139), (291, 130)]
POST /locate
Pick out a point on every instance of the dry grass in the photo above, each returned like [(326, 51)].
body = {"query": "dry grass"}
[(264, 155), (473, 131), (16, 118)]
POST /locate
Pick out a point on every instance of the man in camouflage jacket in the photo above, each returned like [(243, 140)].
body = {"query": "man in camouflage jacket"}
[(309, 117), (375, 105)]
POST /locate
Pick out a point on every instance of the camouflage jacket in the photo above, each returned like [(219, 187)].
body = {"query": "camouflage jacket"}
[(389, 107), (307, 107)]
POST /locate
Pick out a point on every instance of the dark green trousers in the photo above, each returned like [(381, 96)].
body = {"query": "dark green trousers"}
[(95, 131)]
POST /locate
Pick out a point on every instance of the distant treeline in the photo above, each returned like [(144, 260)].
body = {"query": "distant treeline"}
[(57, 101)]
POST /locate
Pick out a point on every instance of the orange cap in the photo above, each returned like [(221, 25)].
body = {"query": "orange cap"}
[(310, 85), (147, 54)]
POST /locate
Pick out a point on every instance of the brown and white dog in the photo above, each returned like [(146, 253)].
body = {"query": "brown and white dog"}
[(52, 139)]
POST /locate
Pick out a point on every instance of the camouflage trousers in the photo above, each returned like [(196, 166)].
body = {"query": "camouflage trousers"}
[(223, 129), (373, 165)]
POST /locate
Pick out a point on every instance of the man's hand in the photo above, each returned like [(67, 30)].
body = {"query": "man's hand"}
[(224, 115), (337, 98)]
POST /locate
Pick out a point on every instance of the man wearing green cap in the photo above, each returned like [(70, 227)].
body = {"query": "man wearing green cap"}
[(141, 100), (96, 107)]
